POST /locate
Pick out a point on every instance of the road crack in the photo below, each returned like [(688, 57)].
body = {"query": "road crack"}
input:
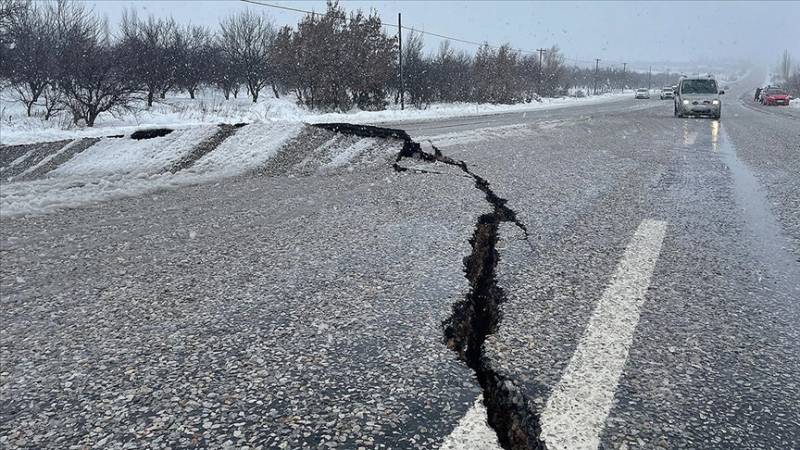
[(478, 315)]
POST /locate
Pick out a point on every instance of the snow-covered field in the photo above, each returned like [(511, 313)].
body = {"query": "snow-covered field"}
[(212, 108)]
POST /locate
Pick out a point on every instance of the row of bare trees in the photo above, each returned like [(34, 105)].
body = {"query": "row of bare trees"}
[(60, 56), (789, 74)]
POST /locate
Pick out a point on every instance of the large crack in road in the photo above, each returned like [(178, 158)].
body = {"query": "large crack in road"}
[(478, 315)]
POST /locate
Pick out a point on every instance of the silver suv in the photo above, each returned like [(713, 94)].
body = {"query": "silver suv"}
[(698, 97)]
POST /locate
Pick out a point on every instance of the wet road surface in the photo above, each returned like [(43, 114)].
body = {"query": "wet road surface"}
[(650, 301)]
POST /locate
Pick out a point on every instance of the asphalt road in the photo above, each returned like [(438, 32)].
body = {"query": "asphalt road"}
[(652, 302)]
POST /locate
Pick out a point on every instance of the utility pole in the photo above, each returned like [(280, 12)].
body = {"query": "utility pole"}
[(649, 77), (541, 54), (596, 67), (624, 66), (400, 43)]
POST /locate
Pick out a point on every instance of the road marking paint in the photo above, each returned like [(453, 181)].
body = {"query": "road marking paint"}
[(472, 431), (575, 413)]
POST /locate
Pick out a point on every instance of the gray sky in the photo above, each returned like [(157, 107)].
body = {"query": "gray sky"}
[(635, 32)]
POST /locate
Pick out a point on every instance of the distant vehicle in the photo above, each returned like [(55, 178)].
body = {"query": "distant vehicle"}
[(763, 90), (774, 96), (667, 92), (698, 96), (642, 93)]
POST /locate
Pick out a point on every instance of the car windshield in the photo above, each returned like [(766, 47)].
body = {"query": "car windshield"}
[(775, 92), (699, 87)]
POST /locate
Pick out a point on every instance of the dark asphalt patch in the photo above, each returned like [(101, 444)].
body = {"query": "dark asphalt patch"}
[(150, 133)]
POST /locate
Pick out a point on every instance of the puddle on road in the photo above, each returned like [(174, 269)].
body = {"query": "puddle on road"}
[(769, 242)]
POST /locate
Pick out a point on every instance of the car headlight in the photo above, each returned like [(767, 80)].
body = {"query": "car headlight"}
[(686, 102), (715, 102)]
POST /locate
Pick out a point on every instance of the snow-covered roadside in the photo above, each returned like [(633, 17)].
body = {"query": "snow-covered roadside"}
[(179, 113), (794, 103), (447, 110), (129, 156), (104, 174), (246, 150)]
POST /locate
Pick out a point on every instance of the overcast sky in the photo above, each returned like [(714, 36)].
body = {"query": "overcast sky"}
[(635, 32)]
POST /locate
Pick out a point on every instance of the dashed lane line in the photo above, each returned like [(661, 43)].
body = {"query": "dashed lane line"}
[(575, 413), (472, 431)]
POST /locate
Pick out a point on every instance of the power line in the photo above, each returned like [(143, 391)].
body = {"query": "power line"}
[(430, 33), (287, 8)]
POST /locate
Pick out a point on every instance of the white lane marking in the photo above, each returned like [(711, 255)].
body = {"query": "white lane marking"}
[(472, 431), (576, 411)]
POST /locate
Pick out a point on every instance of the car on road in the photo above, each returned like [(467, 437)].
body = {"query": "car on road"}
[(642, 93), (667, 92), (774, 96), (698, 96)]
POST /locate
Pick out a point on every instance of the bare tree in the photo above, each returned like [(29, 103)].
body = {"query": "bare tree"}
[(506, 76), (223, 74), (246, 39), (792, 83), (286, 61), (417, 70), (92, 73), (150, 48), (451, 74), (194, 58), (554, 72), (29, 64), (483, 72), (785, 65), (54, 100), (10, 13), (370, 55)]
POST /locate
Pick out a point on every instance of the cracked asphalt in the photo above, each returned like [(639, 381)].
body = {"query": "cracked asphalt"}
[(307, 311)]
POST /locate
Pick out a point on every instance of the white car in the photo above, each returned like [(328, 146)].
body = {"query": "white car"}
[(698, 96), (642, 93), (667, 92)]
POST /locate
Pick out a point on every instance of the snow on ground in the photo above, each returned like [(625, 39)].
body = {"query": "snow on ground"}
[(100, 177), (211, 108), (487, 134), (46, 159), (248, 149), (444, 110), (794, 103), (130, 156), (120, 167), (480, 134), (346, 154), (19, 160)]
